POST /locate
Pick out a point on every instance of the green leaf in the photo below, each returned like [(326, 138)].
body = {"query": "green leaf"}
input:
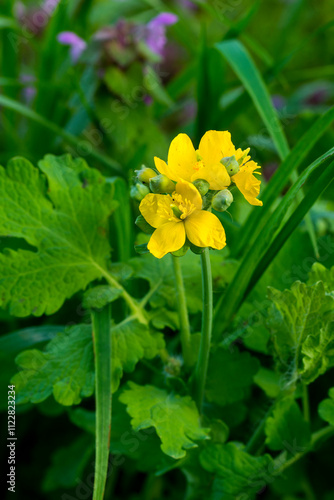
[(287, 427), (255, 224), (132, 341), (68, 464), (22, 339), (102, 356), (99, 296), (321, 273), (236, 371), (64, 369), (318, 353), (236, 473), (175, 418), (66, 222), (326, 408), (241, 62), (295, 317)]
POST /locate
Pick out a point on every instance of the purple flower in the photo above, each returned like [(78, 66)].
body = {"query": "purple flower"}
[(155, 31), (77, 45)]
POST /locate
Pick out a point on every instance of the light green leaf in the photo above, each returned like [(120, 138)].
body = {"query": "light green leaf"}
[(318, 353), (236, 473), (235, 370), (295, 315), (132, 341), (99, 296), (321, 273), (175, 418), (326, 408), (286, 428), (66, 221), (66, 369)]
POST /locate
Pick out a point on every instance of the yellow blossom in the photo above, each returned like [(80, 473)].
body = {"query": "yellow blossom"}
[(185, 163), (179, 216)]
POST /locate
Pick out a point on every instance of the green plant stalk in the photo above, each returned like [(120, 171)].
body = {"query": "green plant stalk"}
[(306, 403), (102, 349), (201, 367), (183, 312)]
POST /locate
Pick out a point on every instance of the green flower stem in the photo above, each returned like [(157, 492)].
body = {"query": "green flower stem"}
[(183, 312), (201, 368), (102, 350)]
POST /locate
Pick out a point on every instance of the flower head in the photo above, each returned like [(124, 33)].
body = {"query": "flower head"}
[(154, 33), (179, 216), (77, 45), (185, 163)]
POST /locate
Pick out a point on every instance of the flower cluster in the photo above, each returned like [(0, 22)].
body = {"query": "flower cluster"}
[(181, 213)]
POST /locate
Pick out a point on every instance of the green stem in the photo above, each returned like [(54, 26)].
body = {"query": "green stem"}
[(204, 350), (102, 348), (306, 403), (183, 312)]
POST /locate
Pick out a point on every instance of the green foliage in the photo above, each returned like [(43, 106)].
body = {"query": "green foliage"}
[(175, 418), (287, 427), (236, 473), (65, 220), (326, 408), (99, 296), (299, 324), (65, 369), (238, 368)]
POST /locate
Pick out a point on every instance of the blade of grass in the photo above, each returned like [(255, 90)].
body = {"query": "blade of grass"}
[(22, 339), (76, 142), (102, 349), (256, 221), (229, 302), (317, 188), (243, 65)]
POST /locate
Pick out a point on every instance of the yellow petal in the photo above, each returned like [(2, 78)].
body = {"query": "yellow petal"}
[(162, 167), (248, 184), (169, 237), (215, 145), (204, 229), (181, 158), (190, 193), (216, 175), (155, 208)]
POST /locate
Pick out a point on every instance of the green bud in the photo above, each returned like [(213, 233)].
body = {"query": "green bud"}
[(143, 225), (231, 165), (222, 200), (145, 174), (139, 191), (202, 186), (161, 184)]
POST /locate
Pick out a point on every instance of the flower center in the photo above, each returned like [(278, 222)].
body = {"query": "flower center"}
[(181, 207)]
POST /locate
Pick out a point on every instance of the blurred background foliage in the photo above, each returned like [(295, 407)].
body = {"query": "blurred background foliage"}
[(118, 104)]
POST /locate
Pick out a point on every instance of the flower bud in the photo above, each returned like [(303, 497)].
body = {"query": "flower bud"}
[(161, 184), (139, 191), (202, 186), (143, 225), (145, 174), (231, 165), (222, 200)]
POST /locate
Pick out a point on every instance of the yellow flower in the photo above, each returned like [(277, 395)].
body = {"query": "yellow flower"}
[(178, 216), (184, 163)]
